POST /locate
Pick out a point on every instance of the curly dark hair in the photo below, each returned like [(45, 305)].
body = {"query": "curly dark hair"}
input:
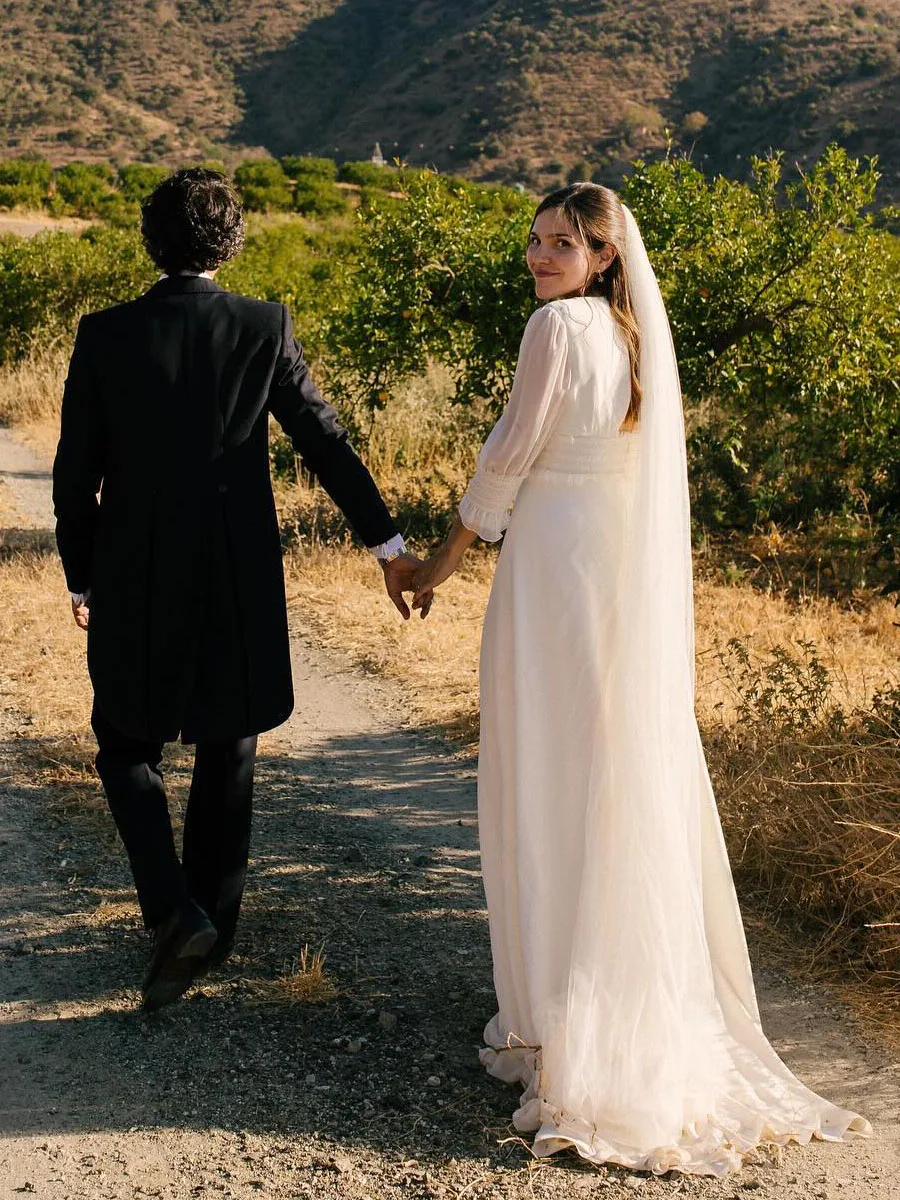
[(192, 222)]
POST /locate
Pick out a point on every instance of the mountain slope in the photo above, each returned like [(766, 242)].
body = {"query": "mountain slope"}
[(511, 89)]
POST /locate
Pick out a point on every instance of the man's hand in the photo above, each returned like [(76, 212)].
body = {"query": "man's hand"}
[(81, 610), (399, 577)]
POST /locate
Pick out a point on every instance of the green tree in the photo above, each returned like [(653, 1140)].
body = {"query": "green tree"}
[(24, 182), (87, 190), (319, 198), (263, 186), (306, 166), (47, 282), (783, 298), (439, 277), (368, 174), (137, 181)]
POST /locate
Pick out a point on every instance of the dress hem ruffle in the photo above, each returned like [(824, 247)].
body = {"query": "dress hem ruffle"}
[(721, 1148)]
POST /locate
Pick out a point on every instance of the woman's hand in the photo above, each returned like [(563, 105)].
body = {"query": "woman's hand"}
[(441, 566), (432, 574)]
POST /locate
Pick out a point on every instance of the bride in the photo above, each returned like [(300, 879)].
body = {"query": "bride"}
[(627, 1012)]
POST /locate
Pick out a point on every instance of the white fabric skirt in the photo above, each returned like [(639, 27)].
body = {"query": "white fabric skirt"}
[(651, 1069)]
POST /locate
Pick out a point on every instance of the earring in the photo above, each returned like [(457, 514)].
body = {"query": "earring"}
[(599, 276)]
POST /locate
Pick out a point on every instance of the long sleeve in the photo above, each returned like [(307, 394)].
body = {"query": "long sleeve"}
[(78, 467), (322, 443), (520, 435)]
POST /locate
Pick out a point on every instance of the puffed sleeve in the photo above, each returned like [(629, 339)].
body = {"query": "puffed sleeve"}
[(534, 406)]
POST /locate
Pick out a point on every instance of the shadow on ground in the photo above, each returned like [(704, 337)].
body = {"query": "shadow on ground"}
[(384, 878)]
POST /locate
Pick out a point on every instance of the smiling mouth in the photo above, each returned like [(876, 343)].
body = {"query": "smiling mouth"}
[(545, 274)]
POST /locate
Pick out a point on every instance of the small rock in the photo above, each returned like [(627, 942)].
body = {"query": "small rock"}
[(354, 1046), (433, 1081), (387, 1021), (342, 1164), (633, 1182)]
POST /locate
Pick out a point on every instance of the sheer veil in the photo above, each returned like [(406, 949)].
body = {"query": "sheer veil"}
[(658, 1042)]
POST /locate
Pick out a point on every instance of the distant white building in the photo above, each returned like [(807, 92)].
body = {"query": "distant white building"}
[(377, 156)]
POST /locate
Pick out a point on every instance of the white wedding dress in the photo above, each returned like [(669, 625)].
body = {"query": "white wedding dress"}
[(627, 1010)]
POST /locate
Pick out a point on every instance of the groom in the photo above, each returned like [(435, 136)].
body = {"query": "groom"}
[(176, 571)]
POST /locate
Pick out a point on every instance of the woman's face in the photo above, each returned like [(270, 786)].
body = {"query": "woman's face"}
[(559, 260)]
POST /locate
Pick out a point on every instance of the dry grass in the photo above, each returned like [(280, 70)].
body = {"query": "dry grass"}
[(113, 913), (811, 822), (305, 982), (339, 594), (30, 396), (813, 828)]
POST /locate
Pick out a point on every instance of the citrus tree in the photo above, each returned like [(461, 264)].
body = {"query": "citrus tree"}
[(439, 276), (783, 298)]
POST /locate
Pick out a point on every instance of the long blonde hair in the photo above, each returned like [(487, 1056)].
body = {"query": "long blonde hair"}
[(596, 213)]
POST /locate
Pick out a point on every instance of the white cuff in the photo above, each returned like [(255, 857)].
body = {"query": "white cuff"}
[(488, 501), (80, 598), (396, 545)]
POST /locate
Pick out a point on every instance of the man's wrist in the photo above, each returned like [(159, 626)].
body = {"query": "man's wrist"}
[(389, 550)]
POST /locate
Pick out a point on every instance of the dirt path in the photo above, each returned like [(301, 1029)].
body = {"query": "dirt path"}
[(24, 484), (29, 224), (364, 843)]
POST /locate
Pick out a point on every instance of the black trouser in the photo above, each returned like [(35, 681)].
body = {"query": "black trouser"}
[(216, 825)]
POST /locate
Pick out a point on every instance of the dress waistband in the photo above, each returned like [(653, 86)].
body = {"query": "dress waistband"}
[(587, 454)]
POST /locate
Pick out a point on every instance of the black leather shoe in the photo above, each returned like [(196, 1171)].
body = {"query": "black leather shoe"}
[(179, 943), (219, 954)]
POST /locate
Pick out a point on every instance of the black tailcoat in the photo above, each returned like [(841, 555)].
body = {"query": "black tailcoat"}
[(166, 406)]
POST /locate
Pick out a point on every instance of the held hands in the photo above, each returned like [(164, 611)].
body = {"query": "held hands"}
[(432, 574), (81, 610), (442, 565), (399, 577)]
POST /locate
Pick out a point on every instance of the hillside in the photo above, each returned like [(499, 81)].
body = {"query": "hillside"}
[(512, 90)]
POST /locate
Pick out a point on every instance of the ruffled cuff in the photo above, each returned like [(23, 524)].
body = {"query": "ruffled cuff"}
[(488, 501)]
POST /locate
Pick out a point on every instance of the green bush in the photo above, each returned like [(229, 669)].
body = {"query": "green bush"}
[(16, 172), (784, 299), (441, 277), (24, 182), (318, 197), (263, 186), (137, 181), (86, 189), (47, 282), (305, 167), (21, 195), (306, 271), (368, 174)]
